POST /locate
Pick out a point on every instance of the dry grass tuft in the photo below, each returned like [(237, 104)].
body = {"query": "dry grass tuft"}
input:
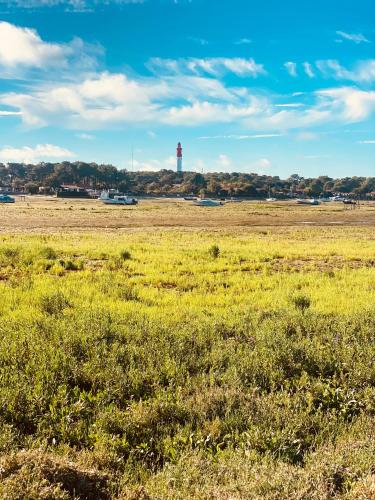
[(38, 475)]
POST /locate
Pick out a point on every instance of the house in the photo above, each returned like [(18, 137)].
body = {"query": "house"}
[(71, 191)]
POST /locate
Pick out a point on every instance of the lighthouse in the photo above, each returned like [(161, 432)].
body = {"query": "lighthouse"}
[(179, 158)]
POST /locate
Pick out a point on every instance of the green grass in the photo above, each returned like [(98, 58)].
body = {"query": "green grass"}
[(187, 364)]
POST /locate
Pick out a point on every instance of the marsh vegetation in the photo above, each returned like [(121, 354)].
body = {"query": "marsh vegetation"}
[(225, 363)]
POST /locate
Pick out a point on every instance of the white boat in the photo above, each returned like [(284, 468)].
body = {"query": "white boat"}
[(234, 200), (270, 198), (207, 203), (308, 202), (4, 198), (117, 200)]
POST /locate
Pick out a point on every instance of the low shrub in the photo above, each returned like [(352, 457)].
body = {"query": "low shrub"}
[(48, 253), (54, 303), (214, 251), (125, 255), (301, 302)]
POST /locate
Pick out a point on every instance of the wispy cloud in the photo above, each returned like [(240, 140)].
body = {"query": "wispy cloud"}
[(215, 66), (243, 41), (9, 113), (291, 68), (290, 105), (308, 70), (69, 5), (238, 137), (224, 163), (86, 137), (28, 154), (362, 72), (353, 37), (307, 136), (152, 165), (315, 157), (371, 141), (199, 41)]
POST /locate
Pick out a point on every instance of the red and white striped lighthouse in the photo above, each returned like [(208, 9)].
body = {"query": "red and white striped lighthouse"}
[(179, 158)]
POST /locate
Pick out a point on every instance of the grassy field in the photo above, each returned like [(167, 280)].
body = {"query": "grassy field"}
[(172, 352)]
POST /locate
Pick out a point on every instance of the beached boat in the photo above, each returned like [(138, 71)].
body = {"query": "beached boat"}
[(308, 202), (208, 203), (5, 198), (117, 200)]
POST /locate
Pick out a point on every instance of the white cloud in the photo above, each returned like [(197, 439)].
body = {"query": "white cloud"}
[(86, 137), (353, 37), (238, 137), (221, 163), (23, 49), (90, 104), (153, 165), (199, 41), (308, 70), (335, 105), (69, 5), (243, 41), (352, 105), (307, 136), (23, 46), (262, 164), (28, 154), (315, 157), (367, 142), (113, 98), (105, 99), (9, 113), (362, 72), (291, 68), (290, 105), (224, 161), (210, 66), (201, 112)]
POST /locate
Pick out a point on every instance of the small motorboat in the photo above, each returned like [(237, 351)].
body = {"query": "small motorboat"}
[(271, 199), (234, 200), (4, 198), (117, 200), (308, 202), (207, 203)]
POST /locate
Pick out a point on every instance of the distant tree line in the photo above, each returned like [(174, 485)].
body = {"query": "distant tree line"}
[(47, 177)]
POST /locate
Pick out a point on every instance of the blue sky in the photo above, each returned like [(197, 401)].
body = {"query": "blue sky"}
[(253, 86)]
